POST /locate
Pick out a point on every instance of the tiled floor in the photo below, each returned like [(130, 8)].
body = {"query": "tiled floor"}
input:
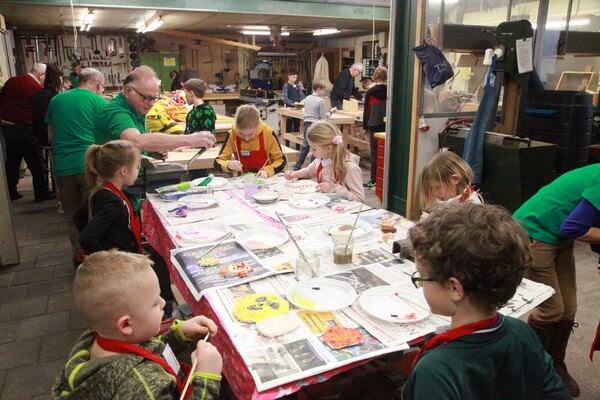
[(38, 322)]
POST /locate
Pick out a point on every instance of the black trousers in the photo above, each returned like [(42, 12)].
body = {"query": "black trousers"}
[(21, 144)]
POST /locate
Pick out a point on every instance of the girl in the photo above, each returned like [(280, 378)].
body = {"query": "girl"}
[(336, 169), (106, 220), (446, 178)]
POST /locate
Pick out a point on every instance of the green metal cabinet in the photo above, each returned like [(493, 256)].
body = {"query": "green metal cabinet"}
[(163, 64)]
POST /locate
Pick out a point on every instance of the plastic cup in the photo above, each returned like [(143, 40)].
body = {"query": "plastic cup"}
[(343, 249), (250, 185), (308, 266)]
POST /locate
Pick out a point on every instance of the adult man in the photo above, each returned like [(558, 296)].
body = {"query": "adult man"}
[(76, 67), (71, 120), (566, 209), (16, 114), (343, 87)]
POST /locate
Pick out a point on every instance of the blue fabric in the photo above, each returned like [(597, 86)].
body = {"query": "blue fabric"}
[(305, 148), (579, 222)]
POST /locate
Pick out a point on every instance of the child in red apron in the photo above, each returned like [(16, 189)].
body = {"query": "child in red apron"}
[(251, 146), (469, 261), (446, 179), (335, 168)]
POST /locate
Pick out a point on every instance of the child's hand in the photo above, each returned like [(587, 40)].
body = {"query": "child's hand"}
[(235, 165), (198, 327), (289, 175), (209, 360), (326, 187), (179, 149), (262, 174), (334, 109)]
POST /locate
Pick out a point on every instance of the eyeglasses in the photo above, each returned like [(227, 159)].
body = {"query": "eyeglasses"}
[(418, 280), (147, 99)]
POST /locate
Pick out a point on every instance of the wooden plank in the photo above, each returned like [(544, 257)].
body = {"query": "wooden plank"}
[(189, 35)]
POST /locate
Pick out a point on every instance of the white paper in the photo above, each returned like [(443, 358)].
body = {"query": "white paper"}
[(525, 55)]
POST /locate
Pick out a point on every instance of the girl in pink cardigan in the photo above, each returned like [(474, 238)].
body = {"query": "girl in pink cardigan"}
[(336, 169)]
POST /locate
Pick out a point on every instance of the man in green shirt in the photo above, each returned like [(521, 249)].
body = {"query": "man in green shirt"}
[(71, 119)]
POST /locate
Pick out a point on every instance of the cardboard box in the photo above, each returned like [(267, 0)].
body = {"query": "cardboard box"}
[(350, 105)]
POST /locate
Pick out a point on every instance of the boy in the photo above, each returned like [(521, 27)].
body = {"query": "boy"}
[(314, 110), (374, 116), (470, 259), (119, 296), (292, 93), (253, 145)]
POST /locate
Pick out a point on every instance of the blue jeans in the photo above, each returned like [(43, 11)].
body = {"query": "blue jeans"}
[(305, 148)]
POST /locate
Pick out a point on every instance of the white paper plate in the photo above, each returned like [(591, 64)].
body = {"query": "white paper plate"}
[(321, 294), (393, 304), (204, 232), (195, 201), (255, 239), (302, 186), (217, 182), (343, 227), (239, 219), (313, 200), (266, 196)]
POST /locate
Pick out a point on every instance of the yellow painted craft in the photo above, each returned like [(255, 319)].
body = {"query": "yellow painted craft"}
[(258, 306)]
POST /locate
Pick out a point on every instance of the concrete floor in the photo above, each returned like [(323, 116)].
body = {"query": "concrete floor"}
[(38, 322)]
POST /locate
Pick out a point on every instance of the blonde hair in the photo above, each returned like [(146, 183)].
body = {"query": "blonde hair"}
[(440, 169), (321, 133), (103, 285), (103, 162), (380, 74), (246, 117), (198, 86)]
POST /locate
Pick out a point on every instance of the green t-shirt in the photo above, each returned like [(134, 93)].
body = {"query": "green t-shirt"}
[(74, 79), (543, 213), (115, 117), (72, 115)]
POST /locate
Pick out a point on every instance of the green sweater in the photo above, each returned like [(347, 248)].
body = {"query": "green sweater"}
[(128, 376), (505, 361)]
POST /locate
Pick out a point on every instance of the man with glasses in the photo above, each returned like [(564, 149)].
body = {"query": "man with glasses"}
[(71, 119)]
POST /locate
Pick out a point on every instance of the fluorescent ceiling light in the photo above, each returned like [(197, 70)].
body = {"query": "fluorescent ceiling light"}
[(563, 23), (321, 32), (151, 26), (88, 18), (85, 28), (262, 33), (256, 27)]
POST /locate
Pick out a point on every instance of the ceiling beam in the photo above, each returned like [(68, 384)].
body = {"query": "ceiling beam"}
[(189, 35)]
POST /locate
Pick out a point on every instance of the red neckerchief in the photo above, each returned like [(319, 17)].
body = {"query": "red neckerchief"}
[(454, 334), (466, 194), (257, 158), (134, 221), (119, 346), (320, 168)]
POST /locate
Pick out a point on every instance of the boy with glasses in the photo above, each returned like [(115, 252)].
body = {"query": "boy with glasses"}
[(470, 259)]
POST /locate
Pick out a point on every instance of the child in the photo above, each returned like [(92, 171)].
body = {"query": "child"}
[(470, 261), (373, 116), (252, 144), (292, 93), (336, 169), (446, 178), (107, 220), (314, 110), (120, 357), (202, 117)]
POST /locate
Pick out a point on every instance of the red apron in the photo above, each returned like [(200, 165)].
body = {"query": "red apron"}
[(118, 346), (320, 168), (257, 159), (134, 221), (453, 334)]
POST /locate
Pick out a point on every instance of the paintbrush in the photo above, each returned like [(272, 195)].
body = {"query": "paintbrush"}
[(292, 238), (213, 246), (189, 379), (353, 228)]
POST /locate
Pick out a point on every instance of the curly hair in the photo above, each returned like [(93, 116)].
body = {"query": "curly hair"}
[(480, 245)]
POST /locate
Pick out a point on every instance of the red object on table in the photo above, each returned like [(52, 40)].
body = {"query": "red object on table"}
[(380, 168)]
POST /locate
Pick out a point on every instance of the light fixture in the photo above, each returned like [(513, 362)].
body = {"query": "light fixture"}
[(151, 25), (262, 33), (86, 24), (562, 23), (327, 31)]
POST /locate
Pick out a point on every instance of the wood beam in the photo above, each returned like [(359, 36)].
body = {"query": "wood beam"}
[(197, 36)]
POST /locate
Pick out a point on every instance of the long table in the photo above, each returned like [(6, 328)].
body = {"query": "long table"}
[(260, 368)]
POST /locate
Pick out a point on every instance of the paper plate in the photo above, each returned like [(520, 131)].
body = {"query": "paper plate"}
[(239, 219), (321, 294), (393, 304), (204, 232), (302, 186), (343, 227), (256, 239), (195, 201), (313, 200), (217, 182), (266, 196)]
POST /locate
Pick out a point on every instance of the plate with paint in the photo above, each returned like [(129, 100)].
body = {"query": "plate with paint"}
[(393, 304), (321, 294), (312, 200), (258, 239)]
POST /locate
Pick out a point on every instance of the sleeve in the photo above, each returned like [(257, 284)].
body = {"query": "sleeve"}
[(278, 161), (357, 95), (209, 119), (205, 386), (579, 221), (175, 338), (352, 186), (302, 95), (322, 111), (427, 382), (80, 217), (107, 210), (286, 99), (366, 108), (119, 122), (337, 92), (224, 156), (311, 169)]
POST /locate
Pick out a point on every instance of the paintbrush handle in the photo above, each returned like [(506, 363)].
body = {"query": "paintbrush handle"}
[(189, 379), (353, 228)]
